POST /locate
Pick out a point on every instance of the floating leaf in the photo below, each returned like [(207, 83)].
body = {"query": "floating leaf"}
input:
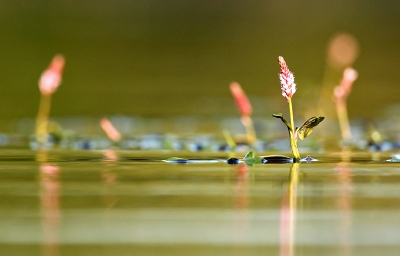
[(254, 160), (250, 159), (308, 126), (249, 154), (177, 160), (280, 116)]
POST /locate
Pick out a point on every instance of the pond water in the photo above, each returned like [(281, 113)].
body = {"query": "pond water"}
[(133, 203)]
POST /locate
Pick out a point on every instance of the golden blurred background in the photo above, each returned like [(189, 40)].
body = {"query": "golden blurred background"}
[(158, 58)]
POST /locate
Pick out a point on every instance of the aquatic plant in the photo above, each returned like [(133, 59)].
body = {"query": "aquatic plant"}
[(48, 84), (340, 94), (244, 106), (288, 89)]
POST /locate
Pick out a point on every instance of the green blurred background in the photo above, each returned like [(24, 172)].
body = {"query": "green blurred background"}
[(158, 58)]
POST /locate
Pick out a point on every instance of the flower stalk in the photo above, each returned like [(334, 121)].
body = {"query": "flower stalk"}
[(244, 106), (341, 93), (293, 135), (288, 88), (48, 84)]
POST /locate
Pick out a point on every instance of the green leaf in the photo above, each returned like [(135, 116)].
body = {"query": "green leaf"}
[(308, 126), (249, 154), (252, 161), (280, 116)]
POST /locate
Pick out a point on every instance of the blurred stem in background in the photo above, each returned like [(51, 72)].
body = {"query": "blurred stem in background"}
[(244, 106), (42, 119), (48, 84), (340, 94)]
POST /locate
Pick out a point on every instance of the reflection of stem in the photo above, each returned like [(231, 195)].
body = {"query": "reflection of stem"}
[(293, 139), (42, 119), (109, 178), (241, 204), (50, 205), (343, 119), (344, 201), (288, 213)]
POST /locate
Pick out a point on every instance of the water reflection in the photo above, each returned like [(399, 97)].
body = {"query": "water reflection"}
[(344, 200), (109, 178), (241, 203), (50, 207), (288, 214)]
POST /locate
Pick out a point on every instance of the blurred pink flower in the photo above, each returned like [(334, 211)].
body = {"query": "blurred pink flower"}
[(344, 89), (110, 130), (51, 77), (241, 99), (343, 50), (287, 80)]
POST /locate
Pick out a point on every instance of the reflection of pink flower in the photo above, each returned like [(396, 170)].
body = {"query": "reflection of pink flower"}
[(51, 77), (111, 155), (49, 169), (50, 205), (241, 99), (344, 89), (110, 130), (287, 80)]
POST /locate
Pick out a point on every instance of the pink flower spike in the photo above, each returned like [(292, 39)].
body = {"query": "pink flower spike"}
[(51, 77), (344, 89), (349, 76), (287, 80), (110, 130), (242, 102)]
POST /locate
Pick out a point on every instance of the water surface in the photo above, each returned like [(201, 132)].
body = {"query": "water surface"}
[(132, 203)]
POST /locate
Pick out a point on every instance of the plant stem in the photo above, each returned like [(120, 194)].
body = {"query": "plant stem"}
[(229, 140), (42, 119), (293, 140), (250, 132), (343, 120)]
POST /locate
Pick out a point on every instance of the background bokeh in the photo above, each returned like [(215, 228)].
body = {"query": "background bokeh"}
[(159, 58)]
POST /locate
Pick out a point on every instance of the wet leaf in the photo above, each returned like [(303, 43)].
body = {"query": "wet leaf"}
[(252, 161), (280, 116), (308, 126), (249, 154)]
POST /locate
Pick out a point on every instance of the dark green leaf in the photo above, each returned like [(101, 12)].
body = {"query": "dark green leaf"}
[(280, 116), (308, 126)]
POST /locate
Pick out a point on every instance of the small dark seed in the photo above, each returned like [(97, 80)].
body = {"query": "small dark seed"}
[(233, 160)]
